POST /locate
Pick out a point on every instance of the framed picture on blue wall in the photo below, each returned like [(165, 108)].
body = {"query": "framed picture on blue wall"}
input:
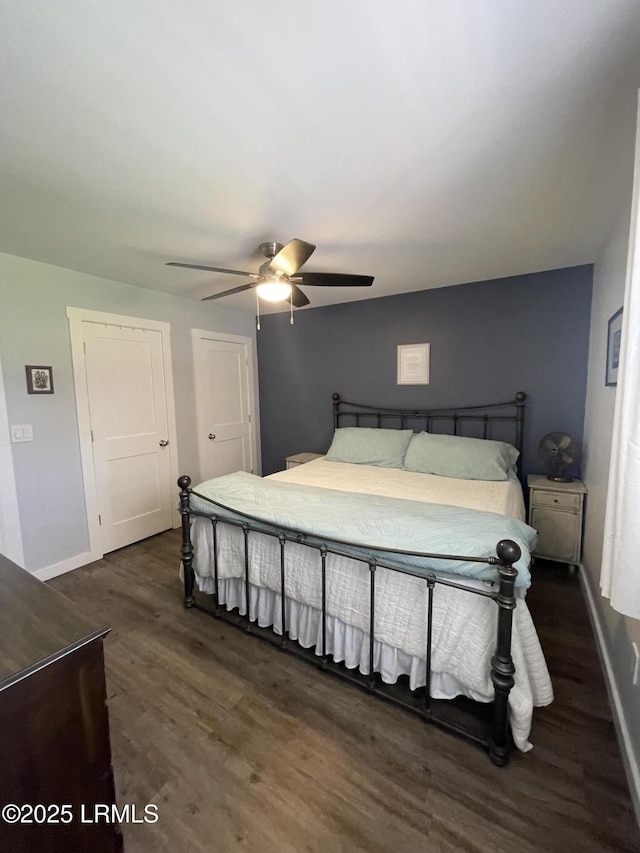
[(614, 338), (413, 364)]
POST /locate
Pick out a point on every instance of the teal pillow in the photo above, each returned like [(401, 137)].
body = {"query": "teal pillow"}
[(461, 457), (370, 446)]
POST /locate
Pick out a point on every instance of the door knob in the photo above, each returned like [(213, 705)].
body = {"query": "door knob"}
[(163, 442), (211, 436)]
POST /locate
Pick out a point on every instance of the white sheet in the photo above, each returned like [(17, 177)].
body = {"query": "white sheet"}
[(464, 626), (501, 496)]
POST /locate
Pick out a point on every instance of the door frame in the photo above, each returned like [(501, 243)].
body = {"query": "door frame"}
[(76, 317), (10, 530), (207, 334)]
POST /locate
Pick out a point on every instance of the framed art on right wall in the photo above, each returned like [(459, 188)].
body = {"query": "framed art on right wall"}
[(614, 336)]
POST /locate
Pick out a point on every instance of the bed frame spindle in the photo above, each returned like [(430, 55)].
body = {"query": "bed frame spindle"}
[(323, 564), (214, 523), (431, 584), (283, 601), (372, 620), (247, 595)]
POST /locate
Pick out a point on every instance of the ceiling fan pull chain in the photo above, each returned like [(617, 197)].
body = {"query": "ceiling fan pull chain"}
[(257, 311), (291, 302)]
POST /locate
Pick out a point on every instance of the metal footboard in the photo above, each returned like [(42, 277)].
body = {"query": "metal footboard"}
[(492, 734)]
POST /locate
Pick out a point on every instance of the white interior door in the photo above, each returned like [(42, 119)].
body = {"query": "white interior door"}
[(129, 429), (223, 382)]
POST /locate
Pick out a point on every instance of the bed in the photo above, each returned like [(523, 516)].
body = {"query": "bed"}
[(404, 558)]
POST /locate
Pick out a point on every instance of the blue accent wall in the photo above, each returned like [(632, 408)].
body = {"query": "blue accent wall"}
[(488, 340)]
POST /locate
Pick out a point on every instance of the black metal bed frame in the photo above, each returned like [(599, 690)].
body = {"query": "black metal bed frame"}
[(487, 724), (484, 417)]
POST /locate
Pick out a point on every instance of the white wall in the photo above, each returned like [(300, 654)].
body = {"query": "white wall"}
[(617, 632), (608, 292), (34, 330)]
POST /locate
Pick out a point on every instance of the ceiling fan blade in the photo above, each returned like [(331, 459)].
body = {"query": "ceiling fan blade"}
[(229, 292), (292, 256), (331, 279), (211, 269), (297, 297)]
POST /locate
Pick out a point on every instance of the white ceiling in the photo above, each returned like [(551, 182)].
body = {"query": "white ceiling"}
[(425, 142)]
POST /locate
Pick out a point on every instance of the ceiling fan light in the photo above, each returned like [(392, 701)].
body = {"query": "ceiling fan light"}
[(274, 291)]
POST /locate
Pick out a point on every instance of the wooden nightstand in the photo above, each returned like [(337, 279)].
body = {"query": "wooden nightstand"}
[(300, 459), (555, 511)]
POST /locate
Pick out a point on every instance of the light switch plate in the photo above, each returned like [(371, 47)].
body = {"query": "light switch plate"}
[(21, 432)]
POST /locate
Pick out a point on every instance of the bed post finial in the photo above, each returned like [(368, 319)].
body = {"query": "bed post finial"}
[(336, 407), (186, 552), (520, 398), (502, 668)]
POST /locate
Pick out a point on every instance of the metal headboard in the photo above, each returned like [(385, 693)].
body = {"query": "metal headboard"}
[(448, 420)]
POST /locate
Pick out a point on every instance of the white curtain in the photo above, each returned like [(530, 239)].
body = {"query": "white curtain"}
[(620, 578)]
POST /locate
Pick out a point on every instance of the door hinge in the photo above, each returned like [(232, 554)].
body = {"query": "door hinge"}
[(100, 520), (249, 418), (91, 435), (84, 347)]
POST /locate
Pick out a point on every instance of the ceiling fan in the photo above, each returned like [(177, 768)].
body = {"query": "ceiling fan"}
[(278, 277)]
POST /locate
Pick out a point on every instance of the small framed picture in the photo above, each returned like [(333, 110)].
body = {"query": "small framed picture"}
[(39, 379), (614, 339), (413, 364)]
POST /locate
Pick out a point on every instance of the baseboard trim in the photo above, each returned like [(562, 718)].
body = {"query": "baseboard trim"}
[(49, 572), (629, 758)]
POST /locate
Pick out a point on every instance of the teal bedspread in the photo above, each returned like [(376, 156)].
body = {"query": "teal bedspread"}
[(369, 522)]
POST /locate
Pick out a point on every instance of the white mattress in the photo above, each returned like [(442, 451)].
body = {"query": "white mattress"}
[(464, 626)]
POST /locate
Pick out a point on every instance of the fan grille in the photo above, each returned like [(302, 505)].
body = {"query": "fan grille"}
[(557, 452)]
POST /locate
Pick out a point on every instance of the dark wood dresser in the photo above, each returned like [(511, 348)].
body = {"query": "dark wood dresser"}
[(54, 728)]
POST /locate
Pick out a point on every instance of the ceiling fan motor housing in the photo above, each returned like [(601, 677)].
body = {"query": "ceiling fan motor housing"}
[(270, 250)]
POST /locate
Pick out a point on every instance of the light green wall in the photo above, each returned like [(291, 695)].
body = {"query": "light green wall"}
[(34, 330)]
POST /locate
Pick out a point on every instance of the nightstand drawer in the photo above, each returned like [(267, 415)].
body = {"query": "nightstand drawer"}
[(557, 500)]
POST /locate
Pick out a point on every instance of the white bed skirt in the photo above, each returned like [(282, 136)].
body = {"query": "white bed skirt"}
[(345, 643), (464, 624)]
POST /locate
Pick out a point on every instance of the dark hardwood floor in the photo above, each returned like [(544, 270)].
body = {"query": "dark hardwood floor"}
[(242, 747)]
